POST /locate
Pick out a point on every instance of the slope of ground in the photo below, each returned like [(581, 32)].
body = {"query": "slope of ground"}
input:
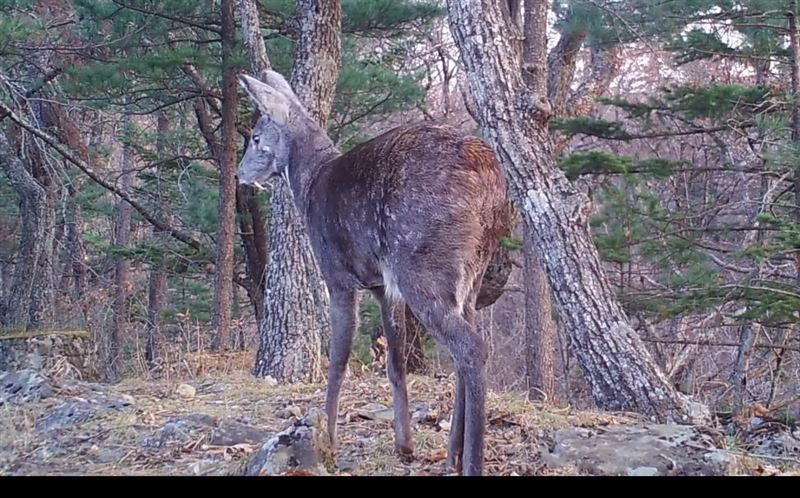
[(209, 425)]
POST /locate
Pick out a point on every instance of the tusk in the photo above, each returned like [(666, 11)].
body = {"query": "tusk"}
[(259, 186)]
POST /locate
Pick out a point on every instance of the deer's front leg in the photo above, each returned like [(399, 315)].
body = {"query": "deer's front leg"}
[(343, 325)]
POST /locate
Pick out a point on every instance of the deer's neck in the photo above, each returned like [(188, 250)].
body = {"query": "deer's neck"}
[(311, 151)]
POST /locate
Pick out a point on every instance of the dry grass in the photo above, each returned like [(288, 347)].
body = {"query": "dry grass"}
[(113, 443), (366, 446)]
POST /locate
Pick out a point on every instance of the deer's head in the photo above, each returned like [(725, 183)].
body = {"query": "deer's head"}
[(267, 154)]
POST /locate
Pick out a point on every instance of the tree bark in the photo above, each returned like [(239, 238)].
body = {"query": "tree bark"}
[(794, 47), (295, 322), (226, 230), (414, 335), (513, 118), (42, 299), (122, 229), (253, 231), (253, 221), (32, 207), (75, 266), (540, 327), (157, 281)]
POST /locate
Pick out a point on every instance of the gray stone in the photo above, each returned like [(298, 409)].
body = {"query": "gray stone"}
[(79, 410), (181, 430), (643, 471), (304, 448), (289, 412), (230, 433), (186, 391), (23, 386), (203, 467), (779, 443), (51, 352), (637, 450), (66, 415)]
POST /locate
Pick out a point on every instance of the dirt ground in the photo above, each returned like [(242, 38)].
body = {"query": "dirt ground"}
[(209, 425)]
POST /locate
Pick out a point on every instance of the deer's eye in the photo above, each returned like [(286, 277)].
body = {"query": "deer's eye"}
[(256, 138)]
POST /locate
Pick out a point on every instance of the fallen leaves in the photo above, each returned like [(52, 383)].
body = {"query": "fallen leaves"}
[(516, 428)]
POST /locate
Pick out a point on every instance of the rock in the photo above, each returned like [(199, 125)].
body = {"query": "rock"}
[(643, 471), (181, 430), (127, 399), (289, 412), (371, 411), (58, 354), (24, 386), (78, 411), (65, 415), (270, 381), (638, 450), (304, 448), (203, 467), (377, 411), (230, 433), (721, 457), (345, 465), (778, 443), (186, 391), (107, 455)]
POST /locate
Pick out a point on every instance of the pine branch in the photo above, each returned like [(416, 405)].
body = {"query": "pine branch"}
[(168, 17), (176, 233), (86, 168)]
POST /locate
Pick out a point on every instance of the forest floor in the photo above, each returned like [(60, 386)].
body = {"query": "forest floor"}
[(209, 425)]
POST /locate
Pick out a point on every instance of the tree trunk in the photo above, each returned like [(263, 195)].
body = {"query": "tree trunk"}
[(540, 328), (32, 207), (42, 309), (295, 322), (561, 65), (513, 119), (75, 266), (156, 302), (122, 229), (414, 335), (253, 221), (42, 299), (290, 348), (794, 46), (69, 133), (226, 230), (747, 338), (253, 230), (157, 285)]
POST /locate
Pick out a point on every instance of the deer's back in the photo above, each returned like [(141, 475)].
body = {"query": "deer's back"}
[(416, 194)]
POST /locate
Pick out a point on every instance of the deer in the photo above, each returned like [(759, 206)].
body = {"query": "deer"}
[(412, 216)]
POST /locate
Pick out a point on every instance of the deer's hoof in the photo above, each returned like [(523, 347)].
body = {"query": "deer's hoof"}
[(453, 463), (405, 453)]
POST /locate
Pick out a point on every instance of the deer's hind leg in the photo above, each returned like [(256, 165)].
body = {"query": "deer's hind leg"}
[(438, 308), (396, 371)]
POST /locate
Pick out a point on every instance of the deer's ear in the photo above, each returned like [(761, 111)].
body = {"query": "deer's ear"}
[(268, 100), (279, 83)]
